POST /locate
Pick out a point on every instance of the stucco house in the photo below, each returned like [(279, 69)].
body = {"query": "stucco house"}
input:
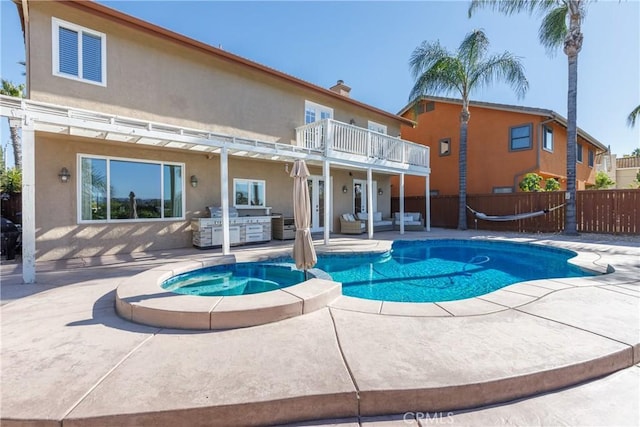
[(130, 131), (504, 143), (622, 170)]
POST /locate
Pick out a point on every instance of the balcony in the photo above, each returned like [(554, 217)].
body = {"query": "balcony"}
[(337, 140)]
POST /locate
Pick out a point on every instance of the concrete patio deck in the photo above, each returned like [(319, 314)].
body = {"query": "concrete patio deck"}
[(68, 359)]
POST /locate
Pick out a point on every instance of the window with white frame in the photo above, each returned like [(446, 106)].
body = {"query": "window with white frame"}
[(314, 112), (579, 153), (249, 193), (547, 138), (377, 127), (520, 137), (79, 53), (115, 189)]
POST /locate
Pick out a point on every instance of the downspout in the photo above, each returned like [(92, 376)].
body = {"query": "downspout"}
[(538, 150)]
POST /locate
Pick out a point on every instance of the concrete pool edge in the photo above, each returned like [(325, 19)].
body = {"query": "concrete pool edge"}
[(141, 299)]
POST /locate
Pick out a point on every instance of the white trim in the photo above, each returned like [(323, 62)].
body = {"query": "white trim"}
[(55, 51), (376, 127), (80, 156), (318, 110), (249, 182)]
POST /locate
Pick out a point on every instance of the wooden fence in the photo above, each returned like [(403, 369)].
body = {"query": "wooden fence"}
[(597, 211), (11, 206)]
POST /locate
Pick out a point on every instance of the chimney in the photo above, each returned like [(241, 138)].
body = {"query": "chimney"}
[(341, 88)]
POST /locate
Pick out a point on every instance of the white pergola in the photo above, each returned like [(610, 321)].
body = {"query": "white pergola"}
[(32, 116)]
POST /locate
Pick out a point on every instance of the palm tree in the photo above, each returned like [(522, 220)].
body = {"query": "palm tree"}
[(10, 89), (631, 120), (553, 33), (438, 71)]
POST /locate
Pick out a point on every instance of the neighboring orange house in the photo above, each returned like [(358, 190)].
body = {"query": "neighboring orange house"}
[(504, 143)]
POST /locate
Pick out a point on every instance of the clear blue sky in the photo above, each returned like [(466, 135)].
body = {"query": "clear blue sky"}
[(368, 44)]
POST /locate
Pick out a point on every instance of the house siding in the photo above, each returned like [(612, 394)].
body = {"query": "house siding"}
[(155, 79), (490, 161)]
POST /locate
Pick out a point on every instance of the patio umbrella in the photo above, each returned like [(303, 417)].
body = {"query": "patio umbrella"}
[(304, 253)]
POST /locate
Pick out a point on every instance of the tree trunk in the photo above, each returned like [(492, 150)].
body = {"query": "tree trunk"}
[(572, 45), (462, 163), (17, 148)]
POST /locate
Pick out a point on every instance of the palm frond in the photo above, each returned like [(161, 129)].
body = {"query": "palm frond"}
[(424, 56), (631, 120), (444, 77), (553, 28), (510, 7), (473, 48), (504, 67)]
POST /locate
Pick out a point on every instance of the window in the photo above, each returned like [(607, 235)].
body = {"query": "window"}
[(249, 193), (425, 107), (78, 53), (579, 153), (520, 137), (502, 190), (314, 112), (547, 138), (113, 189), (445, 147), (434, 193), (377, 127), (591, 158)]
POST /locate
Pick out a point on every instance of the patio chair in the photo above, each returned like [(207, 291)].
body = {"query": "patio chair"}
[(350, 225)]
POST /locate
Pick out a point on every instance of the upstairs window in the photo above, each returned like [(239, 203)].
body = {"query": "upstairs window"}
[(591, 158), (78, 53), (314, 112), (579, 153), (520, 137), (547, 138)]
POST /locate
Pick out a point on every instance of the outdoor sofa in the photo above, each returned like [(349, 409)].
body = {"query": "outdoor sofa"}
[(379, 223), (412, 221)]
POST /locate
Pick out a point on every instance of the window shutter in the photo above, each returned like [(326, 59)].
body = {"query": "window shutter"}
[(91, 57), (68, 43)]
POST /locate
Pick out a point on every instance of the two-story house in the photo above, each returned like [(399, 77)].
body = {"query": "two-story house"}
[(130, 130), (504, 143)]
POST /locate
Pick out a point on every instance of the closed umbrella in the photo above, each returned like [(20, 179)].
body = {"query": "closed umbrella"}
[(304, 253)]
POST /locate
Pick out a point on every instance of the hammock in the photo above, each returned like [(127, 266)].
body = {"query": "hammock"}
[(515, 217)]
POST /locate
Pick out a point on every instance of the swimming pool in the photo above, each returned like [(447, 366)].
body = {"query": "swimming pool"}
[(445, 270), (412, 271), (235, 279)]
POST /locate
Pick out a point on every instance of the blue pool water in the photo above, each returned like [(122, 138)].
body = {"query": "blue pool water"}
[(445, 270), (412, 271), (235, 279)]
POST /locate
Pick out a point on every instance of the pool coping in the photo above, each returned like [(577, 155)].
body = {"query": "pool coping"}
[(141, 299)]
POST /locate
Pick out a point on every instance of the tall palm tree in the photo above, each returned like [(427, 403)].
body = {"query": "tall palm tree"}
[(10, 89), (438, 71), (631, 120), (553, 33)]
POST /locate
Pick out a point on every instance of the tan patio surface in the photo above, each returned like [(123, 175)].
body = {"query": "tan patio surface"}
[(561, 351)]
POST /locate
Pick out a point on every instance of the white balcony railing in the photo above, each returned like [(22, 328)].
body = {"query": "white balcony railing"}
[(331, 136)]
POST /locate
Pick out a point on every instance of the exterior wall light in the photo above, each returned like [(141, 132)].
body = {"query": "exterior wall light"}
[(379, 191), (344, 189), (64, 175), (194, 181)]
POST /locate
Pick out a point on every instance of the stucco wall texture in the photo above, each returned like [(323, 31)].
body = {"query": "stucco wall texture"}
[(490, 161), (154, 78)]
